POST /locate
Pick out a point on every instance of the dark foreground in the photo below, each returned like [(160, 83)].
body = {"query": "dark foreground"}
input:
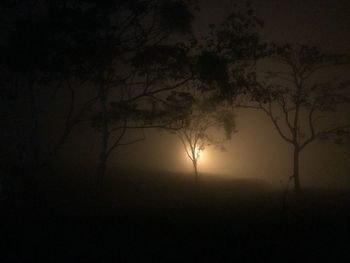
[(145, 220)]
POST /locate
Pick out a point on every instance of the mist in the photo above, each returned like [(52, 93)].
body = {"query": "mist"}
[(152, 130)]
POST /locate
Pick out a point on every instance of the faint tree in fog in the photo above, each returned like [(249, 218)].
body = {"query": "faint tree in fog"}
[(131, 53), (227, 62), (121, 48), (199, 123), (37, 67), (301, 100), (126, 50), (224, 66)]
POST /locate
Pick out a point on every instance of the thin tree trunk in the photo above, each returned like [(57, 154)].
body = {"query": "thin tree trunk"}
[(101, 168), (101, 171), (296, 176), (195, 171), (29, 171)]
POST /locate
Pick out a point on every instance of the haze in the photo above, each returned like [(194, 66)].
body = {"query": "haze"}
[(175, 130)]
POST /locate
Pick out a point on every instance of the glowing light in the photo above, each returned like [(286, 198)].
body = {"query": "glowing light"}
[(198, 153), (204, 160)]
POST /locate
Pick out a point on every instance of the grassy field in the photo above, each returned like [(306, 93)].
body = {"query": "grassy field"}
[(162, 217)]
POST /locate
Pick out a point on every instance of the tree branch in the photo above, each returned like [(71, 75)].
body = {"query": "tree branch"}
[(286, 112), (326, 132), (274, 121), (120, 137), (151, 93), (180, 135)]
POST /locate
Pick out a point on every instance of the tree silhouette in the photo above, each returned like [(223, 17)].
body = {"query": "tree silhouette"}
[(223, 66), (127, 56), (198, 123), (229, 53), (120, 48), (36, 65), (301, 101)]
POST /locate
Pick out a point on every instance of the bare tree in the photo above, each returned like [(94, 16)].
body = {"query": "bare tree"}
[(127, 58), (201, 122), (301, 101)]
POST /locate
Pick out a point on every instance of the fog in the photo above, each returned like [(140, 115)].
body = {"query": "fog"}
[(255, 151), (68, 195)]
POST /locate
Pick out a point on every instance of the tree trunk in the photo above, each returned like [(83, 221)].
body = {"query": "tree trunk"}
[(296, 168), (101, 168), (29, 167), (195, 171), (101, 171)]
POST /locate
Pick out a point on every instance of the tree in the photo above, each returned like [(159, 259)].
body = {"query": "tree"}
[(36, 66), (223, 66), (127, 55), (121, 49), (199, 123), (227, 62), (301, 100)]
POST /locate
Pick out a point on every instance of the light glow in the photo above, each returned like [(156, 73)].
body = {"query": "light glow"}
[(198, 153)]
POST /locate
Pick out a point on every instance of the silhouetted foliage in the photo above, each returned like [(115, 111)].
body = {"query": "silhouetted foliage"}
[(198, 122), (127, 56), (227, 58), (110, 45), (175, 16)]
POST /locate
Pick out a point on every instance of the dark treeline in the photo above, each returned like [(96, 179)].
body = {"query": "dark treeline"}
[(120, 63)]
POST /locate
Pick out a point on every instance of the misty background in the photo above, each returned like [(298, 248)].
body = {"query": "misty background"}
[(256, 150)]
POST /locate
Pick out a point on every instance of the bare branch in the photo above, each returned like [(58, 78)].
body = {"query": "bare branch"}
[(132, 142), (311, 124), (332, 130), (286, 111), (151, 93), (185, 145), (325, 132), (117, 141), (275, 122), (248, 107)]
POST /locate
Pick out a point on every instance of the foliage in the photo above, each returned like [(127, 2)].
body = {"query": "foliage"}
[(226, 62), (106, 45), (198, 122)]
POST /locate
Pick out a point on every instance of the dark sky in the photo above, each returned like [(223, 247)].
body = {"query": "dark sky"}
[(325, 23)]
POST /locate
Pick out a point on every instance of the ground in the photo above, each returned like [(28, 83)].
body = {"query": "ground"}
[(164, 217)]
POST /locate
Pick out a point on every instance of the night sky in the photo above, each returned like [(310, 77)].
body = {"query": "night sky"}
[(323, 23)]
